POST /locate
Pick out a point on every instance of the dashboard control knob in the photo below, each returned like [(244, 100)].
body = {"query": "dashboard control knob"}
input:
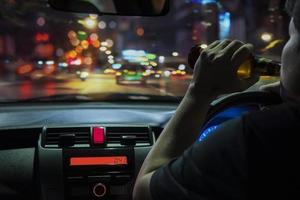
[(99, 190)]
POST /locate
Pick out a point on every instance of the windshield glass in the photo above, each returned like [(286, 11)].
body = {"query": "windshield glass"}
[(45, 53)]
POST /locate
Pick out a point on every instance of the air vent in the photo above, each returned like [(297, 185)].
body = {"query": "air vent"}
[(137, 136), (80, 135)]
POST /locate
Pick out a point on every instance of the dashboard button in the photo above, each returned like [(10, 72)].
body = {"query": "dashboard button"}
[(75, 179), (99, 190), (122, 178), (98, 135), (100, 178)]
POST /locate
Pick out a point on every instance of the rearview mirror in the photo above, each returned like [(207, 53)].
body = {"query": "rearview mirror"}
[(113, 7)]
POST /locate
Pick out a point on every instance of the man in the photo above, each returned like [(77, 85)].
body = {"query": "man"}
[(253, 157)]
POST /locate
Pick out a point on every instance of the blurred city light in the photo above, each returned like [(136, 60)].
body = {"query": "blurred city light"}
[(93, 16), (72, 34), (94, 36), (42, 37), (161, 59), (72, 54), (132, 52), (59, 52), (116, 66), (88, 60), (109, 42), (49, 69), (167, 73), (181, 67), (63, 64), (88, 23), (104, 44), (85, 44), (82, 35), (140, 31), (112, 24), (49, 62), (145, 63), (204, 1), (84, 74), (175, 54), (102, 48), (266, 37), (203, 46), (79, 49), (108, 52), (96, 43), (225, 25), (154, 64), (24, 69), (102, 25), (77, 61), (272, 45), (41, 21), (151, 56), (75, 42)]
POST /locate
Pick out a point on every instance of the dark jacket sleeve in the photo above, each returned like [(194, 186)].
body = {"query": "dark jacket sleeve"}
[(214, 168)]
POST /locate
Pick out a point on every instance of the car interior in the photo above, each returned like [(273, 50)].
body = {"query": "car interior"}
[(68, 130)]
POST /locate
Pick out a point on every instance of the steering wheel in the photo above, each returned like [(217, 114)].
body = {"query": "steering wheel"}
[(235, 105)]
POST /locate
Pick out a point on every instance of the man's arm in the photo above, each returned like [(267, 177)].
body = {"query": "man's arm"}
[(173, 140), (214, 74)]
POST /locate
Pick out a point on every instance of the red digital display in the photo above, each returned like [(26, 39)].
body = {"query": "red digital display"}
[(98, 161)]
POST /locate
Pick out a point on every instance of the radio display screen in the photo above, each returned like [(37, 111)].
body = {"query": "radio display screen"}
[(98, 161)]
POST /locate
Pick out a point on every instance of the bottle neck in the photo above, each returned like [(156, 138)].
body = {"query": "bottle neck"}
[(266, 67)]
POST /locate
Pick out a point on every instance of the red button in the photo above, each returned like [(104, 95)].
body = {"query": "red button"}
[(98, 135)]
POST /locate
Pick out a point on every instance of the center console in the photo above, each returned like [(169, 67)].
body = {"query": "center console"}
[(91, 162), (98, 173)]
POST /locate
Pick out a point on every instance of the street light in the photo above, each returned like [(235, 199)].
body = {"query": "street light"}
[(266, 37), (203, 46), (175, 54), (102, 48), (161, 59), (181, 67), (89, 23), (102, 25), (109, 42), (104, 44)]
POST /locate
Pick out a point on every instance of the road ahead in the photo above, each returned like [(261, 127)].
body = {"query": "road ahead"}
[(97, 83)]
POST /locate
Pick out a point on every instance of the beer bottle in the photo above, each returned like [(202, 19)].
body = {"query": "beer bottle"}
[(254, 65)]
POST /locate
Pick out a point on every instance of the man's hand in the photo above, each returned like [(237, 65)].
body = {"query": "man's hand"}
[(215, 71)]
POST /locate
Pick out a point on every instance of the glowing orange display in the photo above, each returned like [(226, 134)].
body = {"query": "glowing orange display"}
[(89, 161)]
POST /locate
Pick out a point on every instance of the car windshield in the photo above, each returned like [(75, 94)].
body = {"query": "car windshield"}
[(45, 53)]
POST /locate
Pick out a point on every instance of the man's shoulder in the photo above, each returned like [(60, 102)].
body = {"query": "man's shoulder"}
[(272, 118)]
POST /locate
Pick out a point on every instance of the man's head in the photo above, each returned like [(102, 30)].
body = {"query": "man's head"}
[(290, 72)]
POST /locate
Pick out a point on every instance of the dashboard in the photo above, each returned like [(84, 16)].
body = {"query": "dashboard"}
[(76, 151), (88, 151)]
